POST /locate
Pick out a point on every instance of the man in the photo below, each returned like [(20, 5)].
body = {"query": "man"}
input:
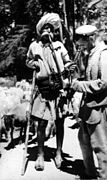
[(49, 59), (93, 112)]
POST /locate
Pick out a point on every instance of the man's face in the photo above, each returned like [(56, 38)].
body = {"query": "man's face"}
[(46, 35), (86, 43), (82, 44), (83, 47), (47, 29)]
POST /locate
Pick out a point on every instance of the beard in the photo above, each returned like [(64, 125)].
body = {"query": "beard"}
[(46, 37)]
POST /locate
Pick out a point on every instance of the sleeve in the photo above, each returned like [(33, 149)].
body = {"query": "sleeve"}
[(30, 61), (103, 65), (64, 54), (92, 87)]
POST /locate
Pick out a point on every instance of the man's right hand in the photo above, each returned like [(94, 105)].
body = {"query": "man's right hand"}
[(36, 66), (37, 57)]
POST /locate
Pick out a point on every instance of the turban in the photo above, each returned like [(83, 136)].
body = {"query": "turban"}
[(49, 18)]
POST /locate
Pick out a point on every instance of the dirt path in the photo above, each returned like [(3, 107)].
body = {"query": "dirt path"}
[(11, 160)]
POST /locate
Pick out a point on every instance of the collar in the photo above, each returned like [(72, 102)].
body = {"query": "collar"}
[(56, 45), (99, 47), (43, 45)]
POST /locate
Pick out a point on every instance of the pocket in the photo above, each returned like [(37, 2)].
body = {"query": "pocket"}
[(90, 115), (95, 116), (97, 100)]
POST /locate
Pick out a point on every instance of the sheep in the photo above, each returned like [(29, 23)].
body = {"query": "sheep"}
[(16, 117), (14, 103)]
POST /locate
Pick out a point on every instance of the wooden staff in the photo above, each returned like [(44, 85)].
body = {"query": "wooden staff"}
[(28, 117), (65, 15)]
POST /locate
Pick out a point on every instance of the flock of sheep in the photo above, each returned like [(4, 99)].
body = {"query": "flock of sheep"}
[(14, 102)]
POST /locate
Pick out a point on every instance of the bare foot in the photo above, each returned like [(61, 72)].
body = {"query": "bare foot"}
[(58, 161), (39, 164)]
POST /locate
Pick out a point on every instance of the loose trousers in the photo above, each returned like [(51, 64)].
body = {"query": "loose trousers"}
[(93, 137)]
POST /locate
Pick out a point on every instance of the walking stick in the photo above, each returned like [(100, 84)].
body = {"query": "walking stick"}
[(28, 116)]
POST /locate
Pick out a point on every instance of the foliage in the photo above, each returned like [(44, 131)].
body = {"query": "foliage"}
[(5, 16), (13, 51), (18, 11), (36, 8)]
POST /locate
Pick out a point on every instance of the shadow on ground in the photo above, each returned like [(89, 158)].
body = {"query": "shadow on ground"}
[(72, 167), (68, 166), (17, 141)]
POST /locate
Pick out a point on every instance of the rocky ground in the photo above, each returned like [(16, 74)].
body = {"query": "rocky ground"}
[(11, 159)]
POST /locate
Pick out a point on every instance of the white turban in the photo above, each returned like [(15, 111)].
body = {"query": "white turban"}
[(51, 18)]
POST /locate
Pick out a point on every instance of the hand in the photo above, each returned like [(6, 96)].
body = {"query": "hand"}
[(74, 82), (65, 83), (37, 57), (70, 65), (36, 66), (73, 67)]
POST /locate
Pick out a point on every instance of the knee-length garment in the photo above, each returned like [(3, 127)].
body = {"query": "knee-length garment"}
[(46, 103)]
